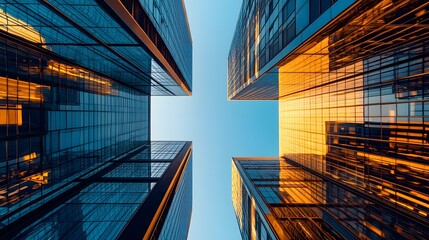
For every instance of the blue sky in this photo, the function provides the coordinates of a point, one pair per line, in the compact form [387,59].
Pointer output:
[219,129]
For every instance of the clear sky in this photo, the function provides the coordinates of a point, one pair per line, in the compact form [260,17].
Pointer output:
[219,129]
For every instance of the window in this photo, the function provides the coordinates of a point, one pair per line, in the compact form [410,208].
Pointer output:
[314,10]
[289,33]
[288,9]
[317,7]
[269,195]
[270,7]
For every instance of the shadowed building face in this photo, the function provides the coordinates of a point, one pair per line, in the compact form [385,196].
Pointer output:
[76,80]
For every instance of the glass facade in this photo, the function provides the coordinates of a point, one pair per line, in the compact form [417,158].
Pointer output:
[304,205]
[101,204]
[266,32]
[76,160]
[101,42]
[249,209]
[173,26]
[353,119]
[59,121]
[356,110]
[99,211]
[178,219]
[165,24]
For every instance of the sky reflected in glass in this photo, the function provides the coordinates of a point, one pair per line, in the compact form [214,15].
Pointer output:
[219,129]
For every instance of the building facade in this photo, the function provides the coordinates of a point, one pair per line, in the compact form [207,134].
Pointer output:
[279,199]
[119,200]
[76,80]
[353,105]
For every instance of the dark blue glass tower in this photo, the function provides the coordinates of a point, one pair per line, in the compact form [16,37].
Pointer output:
[76,159]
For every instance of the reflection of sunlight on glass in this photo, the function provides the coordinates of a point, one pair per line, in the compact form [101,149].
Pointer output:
[19,28]
[16,90]
[24,180]
[11,116]
[93,82]
[22,29]
[40,178]
[340,117]
[304,110]
[257,41]
[29,157]
[237,195]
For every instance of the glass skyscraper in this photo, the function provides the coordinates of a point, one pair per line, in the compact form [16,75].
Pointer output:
[76,160]
[351,78]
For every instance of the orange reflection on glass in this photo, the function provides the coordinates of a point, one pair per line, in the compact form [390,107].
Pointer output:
[237,197]
[11,115]
[22,29]
[257,41]
[40,178]
[19,28]
[16,90]
[29,157]
[23,181]
[92,82]
[304,108]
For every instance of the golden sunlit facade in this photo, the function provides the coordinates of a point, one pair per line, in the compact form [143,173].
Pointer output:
[353,116]
[251,214]
[355,110]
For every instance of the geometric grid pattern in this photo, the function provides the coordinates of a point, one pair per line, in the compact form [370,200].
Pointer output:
[99,42]
[102,203]
[307,205]
[266,31]
[353,106]
[180,209]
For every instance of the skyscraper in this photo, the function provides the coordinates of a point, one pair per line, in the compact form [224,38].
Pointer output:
[76,159]
[351,81]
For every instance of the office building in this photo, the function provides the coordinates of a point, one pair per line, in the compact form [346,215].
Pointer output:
[351,79]
[279,199]
[76,160]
